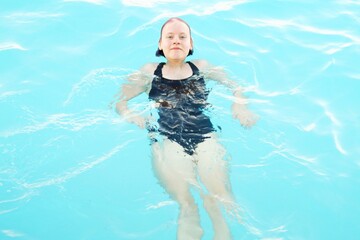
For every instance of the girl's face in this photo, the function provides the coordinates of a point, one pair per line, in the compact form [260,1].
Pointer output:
[175,40]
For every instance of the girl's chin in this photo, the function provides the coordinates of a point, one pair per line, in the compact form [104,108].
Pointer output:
[176,57]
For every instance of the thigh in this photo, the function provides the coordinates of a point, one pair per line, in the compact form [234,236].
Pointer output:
[174,169]
[213,167]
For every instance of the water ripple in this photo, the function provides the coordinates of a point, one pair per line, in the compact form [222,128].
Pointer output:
[8,211]
[148,3]
[72,122]
[96,2]
[282,150]
[202,8]
[348,2]
[30,17]
[76,171]
[94,78]
[336,125]
[12,233]
[199,9]
[24,196]
[5,95]
[160,205]
[11,46]
[291,24]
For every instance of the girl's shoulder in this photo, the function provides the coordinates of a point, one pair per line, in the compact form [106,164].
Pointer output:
[149,68]
[201,64]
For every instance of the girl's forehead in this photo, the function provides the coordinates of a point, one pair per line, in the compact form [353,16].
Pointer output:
[176,26]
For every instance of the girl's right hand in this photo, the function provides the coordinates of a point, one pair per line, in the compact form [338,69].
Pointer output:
[138,120]
[246,118]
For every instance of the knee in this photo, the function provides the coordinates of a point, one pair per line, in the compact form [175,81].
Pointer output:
[188,210]
[209,201]
[187,203]
[212,200]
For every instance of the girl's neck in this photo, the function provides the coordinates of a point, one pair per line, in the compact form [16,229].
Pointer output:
[177,64]
[176,70]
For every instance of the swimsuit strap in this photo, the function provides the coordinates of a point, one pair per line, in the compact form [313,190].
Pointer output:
[193,68]
[158,71]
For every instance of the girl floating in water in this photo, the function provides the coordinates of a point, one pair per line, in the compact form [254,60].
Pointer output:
[185,147]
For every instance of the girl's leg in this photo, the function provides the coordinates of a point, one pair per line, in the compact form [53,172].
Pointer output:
[176,173]
[213,173]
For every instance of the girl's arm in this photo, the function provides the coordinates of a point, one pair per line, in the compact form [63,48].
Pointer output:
[137,83]
[239,107]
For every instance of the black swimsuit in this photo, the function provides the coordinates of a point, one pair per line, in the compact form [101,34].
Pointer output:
[181,105]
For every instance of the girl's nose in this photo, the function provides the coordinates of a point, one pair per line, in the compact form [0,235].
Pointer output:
[176,40]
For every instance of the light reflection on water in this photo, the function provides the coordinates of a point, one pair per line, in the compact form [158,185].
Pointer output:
[69,162]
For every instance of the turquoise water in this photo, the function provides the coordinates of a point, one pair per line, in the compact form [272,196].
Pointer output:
[70,168]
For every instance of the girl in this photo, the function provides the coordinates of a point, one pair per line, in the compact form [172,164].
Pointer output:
[185,147]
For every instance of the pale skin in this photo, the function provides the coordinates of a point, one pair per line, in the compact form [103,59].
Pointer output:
[177,171]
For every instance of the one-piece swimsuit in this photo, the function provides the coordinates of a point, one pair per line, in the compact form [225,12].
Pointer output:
[181,106]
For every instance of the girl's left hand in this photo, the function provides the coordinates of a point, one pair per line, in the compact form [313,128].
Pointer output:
[245,116]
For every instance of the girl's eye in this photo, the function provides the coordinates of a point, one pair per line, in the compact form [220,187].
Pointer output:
[169,37]
[182,37]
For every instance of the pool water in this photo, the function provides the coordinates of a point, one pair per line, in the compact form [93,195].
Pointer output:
[71,168]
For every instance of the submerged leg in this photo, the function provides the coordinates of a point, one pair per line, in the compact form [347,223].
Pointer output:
[175,171]
[213,173]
